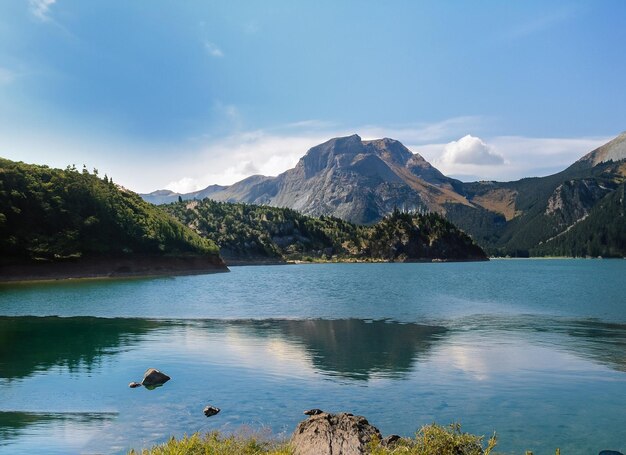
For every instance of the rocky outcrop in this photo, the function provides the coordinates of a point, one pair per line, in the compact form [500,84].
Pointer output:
[333,434]
[573,199]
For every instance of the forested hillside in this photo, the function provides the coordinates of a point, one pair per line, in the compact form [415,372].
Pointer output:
[544,209]
[252,232]
[601,233]
[53,215]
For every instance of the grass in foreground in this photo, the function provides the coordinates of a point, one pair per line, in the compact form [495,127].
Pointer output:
[430,440]
[215,444]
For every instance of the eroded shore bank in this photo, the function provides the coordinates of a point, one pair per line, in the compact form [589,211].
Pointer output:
[112,267]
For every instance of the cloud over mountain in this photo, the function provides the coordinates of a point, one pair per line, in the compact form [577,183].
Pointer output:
[470,150]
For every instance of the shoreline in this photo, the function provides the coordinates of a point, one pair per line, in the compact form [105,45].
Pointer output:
[550,258]
[149,267]
[352,261]
[112,268]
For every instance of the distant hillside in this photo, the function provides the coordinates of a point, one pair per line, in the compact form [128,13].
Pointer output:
[602,232]
[534,210]
[86,225]
[363,181]
[246,232]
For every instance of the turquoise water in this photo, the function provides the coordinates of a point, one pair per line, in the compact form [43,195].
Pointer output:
[533,349]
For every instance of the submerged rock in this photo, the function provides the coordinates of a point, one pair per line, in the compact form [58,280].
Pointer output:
[610,452]
[210,411]
[154,378]
[132,385]
[333,434]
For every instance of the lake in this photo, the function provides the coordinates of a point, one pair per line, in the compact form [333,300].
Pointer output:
[532,349]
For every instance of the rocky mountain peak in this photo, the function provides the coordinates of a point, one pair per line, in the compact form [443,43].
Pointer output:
[339,150]
[389,150]
[614,150]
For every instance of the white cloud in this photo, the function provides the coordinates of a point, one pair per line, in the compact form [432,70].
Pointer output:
[470,150]
[184,185]
[228,175]
[523,157]
[41,8]
[233,158]
[212,49]
[209,159]
[272,151]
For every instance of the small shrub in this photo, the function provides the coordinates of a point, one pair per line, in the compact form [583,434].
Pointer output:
[438,440]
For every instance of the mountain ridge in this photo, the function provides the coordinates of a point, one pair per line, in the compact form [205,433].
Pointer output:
[364,180]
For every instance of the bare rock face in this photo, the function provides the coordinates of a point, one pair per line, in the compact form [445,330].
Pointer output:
[154,378]
[333,434]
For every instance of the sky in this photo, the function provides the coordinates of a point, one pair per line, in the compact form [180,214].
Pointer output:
[180,95]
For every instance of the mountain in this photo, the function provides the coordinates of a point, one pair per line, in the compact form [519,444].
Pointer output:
[363,181]
[525,217]
[614,150]
[359,181]
[166,196]
[66,223]
[254,233]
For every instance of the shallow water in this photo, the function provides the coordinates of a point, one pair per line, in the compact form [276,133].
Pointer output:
[533,349]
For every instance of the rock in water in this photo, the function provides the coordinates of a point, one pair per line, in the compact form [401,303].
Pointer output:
[211,411]
[154,378]
[313,412]
[610,452]
[132,385]
[333,434]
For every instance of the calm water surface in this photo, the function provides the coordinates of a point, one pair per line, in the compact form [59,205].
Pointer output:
[533,349]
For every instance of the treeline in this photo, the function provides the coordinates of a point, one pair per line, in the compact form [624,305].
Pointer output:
[53,215]
[252,232]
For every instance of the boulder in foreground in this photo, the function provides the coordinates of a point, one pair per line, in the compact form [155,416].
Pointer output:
[333,434]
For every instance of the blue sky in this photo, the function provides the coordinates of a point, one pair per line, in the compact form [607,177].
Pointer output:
[184,94]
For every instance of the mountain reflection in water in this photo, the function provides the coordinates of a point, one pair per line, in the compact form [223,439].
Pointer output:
[350,348]
[600,342]
[63,377]
[13,424]
[353,348]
